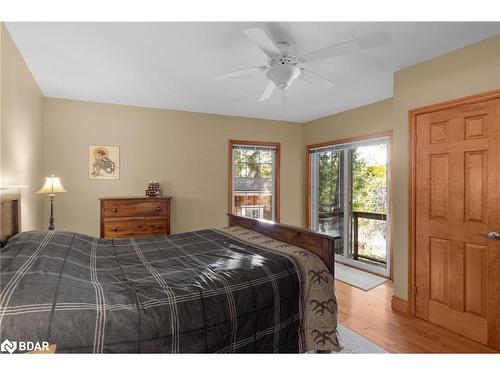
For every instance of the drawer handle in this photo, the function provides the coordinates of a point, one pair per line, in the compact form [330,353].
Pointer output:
[114,229]
[158,208]
[115,210]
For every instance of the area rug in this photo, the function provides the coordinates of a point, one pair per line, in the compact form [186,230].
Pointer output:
[353,343]
[357,278]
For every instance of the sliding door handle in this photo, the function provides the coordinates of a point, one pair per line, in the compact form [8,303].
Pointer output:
[491,235]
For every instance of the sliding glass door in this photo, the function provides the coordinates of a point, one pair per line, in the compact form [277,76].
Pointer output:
[328,196]
[350,197]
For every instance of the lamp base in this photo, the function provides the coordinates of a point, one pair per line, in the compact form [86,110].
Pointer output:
[51,219]
[51,224]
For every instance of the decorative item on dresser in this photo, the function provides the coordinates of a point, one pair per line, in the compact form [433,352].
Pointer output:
[123,217]
[153,189]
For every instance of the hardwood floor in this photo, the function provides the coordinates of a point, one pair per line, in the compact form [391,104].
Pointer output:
[369,314]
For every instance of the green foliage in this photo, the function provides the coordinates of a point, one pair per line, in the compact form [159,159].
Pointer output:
[369,187]
[253,163]
[329,181]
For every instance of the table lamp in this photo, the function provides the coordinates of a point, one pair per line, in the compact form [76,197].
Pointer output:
[52,185]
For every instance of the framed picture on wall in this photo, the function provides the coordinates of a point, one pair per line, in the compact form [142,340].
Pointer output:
[104,162]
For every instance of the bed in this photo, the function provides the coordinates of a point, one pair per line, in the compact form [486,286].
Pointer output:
[252,287]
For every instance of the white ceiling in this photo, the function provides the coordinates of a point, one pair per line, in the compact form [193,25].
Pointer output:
[172,65]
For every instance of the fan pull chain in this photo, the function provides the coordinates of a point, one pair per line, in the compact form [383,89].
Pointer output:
[283,103]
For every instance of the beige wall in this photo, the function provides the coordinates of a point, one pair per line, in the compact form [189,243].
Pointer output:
[186,152]
[467,71]
[372,118]
[21,131]
[470,70]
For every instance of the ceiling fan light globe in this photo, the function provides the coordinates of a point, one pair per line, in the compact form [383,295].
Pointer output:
[283,75]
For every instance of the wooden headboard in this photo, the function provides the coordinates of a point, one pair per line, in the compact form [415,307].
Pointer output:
[10,210]
[318,243]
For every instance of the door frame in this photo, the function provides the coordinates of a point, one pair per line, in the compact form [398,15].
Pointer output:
[366,137]
[412,194]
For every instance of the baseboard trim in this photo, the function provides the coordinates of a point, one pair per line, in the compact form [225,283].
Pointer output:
[400,305]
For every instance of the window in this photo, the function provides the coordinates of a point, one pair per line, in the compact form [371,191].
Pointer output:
[254,179]
[349,195]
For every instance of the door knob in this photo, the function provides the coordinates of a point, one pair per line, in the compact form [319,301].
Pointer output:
[492,236]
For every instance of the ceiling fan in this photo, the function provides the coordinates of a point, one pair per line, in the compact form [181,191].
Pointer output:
[284,62]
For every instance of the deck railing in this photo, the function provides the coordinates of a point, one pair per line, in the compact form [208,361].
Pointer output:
[356,215]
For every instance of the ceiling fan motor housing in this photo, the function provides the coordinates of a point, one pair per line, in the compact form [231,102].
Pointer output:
[283,75]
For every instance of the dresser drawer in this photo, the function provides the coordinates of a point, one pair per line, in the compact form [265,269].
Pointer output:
[123,217]
[136,227]
[128,208]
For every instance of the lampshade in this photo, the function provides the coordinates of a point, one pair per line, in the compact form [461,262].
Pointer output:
[52,185]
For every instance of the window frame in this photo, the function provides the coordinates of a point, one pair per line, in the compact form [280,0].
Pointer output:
[276,173]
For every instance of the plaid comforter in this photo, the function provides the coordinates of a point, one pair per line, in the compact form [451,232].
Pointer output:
[193,292]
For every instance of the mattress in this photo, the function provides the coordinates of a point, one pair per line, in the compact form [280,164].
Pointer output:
[211,291]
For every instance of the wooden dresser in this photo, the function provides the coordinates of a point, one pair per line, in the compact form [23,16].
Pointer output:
[123,217]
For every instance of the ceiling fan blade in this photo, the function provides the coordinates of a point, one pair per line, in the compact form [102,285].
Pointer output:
[240,73]
[268,91]
[342,48]
[262,40]
[375,40]
[315,79]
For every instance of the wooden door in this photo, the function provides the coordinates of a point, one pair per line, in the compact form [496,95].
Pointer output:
[457,202]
